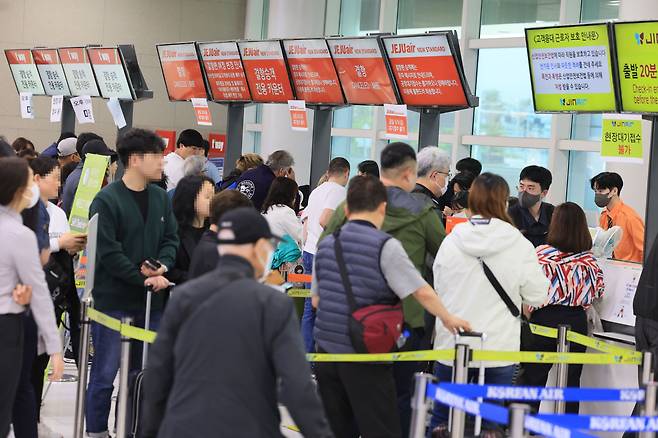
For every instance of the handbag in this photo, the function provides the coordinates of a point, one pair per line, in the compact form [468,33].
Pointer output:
[372,329]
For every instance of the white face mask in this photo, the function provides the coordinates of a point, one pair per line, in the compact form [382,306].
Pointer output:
[267,266]
[33,196]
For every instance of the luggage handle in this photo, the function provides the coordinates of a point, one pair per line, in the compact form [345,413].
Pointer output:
[147,324]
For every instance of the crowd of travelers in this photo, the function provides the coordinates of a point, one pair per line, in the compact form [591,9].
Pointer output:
[216,252]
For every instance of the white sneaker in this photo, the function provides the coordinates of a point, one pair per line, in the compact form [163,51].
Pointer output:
[47,432]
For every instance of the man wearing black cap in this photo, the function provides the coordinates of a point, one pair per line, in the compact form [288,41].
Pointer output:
[97,147]
[224,342]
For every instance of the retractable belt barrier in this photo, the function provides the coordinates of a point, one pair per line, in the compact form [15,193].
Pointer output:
[530,393]
[612,354]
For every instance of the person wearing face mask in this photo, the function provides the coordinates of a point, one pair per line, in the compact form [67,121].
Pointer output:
[607,191]
[25,331]
[229,348]
[418,227]
[433,176]
[532,216]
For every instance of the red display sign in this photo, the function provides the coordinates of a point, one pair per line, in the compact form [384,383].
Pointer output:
[224,72]
[266,71]
[313,72]
[217,144]
[169,138]
[362,71]
[181,71]
[425,71]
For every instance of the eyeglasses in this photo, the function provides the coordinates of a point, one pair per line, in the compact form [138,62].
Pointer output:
[448,173]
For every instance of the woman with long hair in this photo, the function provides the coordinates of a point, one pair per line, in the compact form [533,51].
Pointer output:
[279,209]
[191,207]
[576,280]
[487,240]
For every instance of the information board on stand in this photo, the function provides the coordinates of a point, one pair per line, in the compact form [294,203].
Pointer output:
[637,66]
[362,71]
[266,71]
[181,71]
[571,68]
[24,71]
[110,73]
[426,70]
[51,72]
[224,72]
[313,73]
[78,72]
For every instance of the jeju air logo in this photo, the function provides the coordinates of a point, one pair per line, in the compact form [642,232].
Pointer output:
[646,38]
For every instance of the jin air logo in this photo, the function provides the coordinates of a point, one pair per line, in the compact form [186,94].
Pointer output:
[573,102]
[647,38]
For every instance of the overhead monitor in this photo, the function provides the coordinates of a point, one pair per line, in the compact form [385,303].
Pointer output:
[110,73]
[78,71]
[637,66]
[313,73]
[267,74]
[426,70]
[362,71]
[224,71]
[182,71]
[51,72]
[24,71]
[571,68]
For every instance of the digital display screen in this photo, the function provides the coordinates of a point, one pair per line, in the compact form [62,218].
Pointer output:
[110,72]
[51,72]
[266,71]
[78,72]
[224,72]
[24,71]
[182,71]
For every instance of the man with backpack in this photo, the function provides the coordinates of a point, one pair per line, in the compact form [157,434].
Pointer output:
[361,273]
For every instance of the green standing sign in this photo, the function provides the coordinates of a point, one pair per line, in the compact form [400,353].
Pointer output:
[91,180]
[621,139]
[571,68]
[637,63]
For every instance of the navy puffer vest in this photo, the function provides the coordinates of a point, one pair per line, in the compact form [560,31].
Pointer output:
[362,246]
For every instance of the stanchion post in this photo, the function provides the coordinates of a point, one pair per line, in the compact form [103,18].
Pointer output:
[517,413]
[460,375]
[124,370]
[647,368]
[419,405]
[83,366]
[562,368]
[649,406]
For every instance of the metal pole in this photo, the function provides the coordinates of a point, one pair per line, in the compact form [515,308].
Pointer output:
[67,123]
[562,368]
[517,413]
[460,375]
[320,143]
[649,406]
[651,218]
[234,133]
[124,370]
[647,368]
[147,326]
[81,393]
[419,405]
[428,130]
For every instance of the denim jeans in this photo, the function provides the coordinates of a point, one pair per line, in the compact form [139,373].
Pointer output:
[308,317]
[492,376]
[105,365]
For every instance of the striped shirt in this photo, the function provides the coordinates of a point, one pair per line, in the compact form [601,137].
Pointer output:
[575,279]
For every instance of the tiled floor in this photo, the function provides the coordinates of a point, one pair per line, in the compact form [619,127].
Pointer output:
[59,408]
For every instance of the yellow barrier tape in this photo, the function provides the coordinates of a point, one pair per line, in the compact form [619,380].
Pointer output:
[405,356]
[299,293]
[138,333]
[103,319]
[80,284]
[552,357]
[540,330]
[586,341]
[293,428]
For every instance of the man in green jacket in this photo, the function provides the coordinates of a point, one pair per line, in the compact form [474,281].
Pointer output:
[137,244]
[416,225]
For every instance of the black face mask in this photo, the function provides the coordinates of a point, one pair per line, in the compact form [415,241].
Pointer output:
[602,200]
[526,200]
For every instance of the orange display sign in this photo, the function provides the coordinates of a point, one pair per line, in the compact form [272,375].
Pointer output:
[298,117]
[51,72]
[224,72]
[452,222]
[217,144]
[362,71]
[78,72]
[267,74]
[181,71]
[425,71]
[313,72]
[396,121]
[169,138]
[110,74]
[24,71]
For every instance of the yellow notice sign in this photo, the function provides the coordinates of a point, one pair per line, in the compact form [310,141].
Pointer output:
[621,138]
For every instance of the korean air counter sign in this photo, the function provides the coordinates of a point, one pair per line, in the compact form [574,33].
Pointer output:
[637,60]
[571,69]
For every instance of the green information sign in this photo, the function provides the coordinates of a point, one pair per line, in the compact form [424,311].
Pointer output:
[637,57]
[621,139]
[90,184]
[571,69]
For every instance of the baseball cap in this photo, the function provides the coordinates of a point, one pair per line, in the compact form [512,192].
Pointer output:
[99,147]
[243,225]
[66,147]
